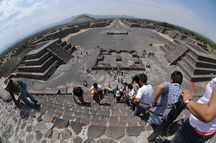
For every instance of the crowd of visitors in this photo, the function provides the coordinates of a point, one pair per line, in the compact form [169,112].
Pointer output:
[166,102]
[163,104]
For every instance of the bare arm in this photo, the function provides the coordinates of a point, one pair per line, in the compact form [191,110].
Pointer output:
[137,100]
[204,112]
[159,90]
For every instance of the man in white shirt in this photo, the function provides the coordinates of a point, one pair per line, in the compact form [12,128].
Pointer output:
[201,125]
[144,95]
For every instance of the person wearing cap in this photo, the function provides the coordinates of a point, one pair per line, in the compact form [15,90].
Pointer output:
[18,91]
[201,125]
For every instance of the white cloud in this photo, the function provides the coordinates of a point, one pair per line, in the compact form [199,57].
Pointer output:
[19,19]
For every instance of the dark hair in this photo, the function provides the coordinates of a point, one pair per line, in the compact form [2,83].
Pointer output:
[95,85]
[130,86]
[177,77]
[143,78]
[77,91]
[135,79]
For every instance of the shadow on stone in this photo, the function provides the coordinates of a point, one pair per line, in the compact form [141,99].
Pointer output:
[105,104]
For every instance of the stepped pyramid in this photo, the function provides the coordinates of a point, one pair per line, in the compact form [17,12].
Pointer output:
[196,64]
[42,62]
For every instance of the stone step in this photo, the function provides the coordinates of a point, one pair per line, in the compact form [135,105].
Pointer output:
[203,57]
[207,59]
[190,57]
[95,119]
[198,63]
[198,70]
[60,53]
[37,61]
[68,102]
[36,53]
[40,76]
[175,54]
[204,71]
[198,74]
[185,68]
[201,78]
[38,68]
[198,48]
[202,64]
[188,65]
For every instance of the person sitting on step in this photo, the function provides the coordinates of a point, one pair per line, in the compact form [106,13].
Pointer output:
[126,97]
[78,92]
[18,91]
[96,92]
[132,96]
[143,96]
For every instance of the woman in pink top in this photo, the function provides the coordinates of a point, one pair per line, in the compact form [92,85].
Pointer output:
[201,125]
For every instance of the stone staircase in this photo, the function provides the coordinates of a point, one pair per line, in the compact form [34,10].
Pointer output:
[110,119]
[107,114]
[42,62]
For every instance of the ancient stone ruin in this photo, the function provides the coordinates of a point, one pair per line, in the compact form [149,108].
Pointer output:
[118,60]
[42,62]
[197,65]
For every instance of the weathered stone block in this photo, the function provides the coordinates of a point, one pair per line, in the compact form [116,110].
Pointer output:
[60,123]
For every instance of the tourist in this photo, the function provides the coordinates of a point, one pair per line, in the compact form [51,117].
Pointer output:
[126,97]
[18,91]
[132,96]
[78,92]
[97,92]
[201,125]
[118,95]
[135,79]
[167,93]
[129,95]
[143,96]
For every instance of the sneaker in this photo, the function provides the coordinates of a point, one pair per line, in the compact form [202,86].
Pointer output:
[153,136]
[158,139]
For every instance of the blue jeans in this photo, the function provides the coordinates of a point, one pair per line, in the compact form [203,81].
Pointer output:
[25,96]
[187,134]
[139,109]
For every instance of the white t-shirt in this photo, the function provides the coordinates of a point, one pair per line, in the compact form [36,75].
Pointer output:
[145,93]
[99,87]
[196,123]
[132,93]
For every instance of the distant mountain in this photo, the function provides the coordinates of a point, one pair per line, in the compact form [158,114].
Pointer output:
[110,16]
[81,18]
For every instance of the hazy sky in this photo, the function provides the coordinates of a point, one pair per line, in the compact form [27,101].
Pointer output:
[19,18]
